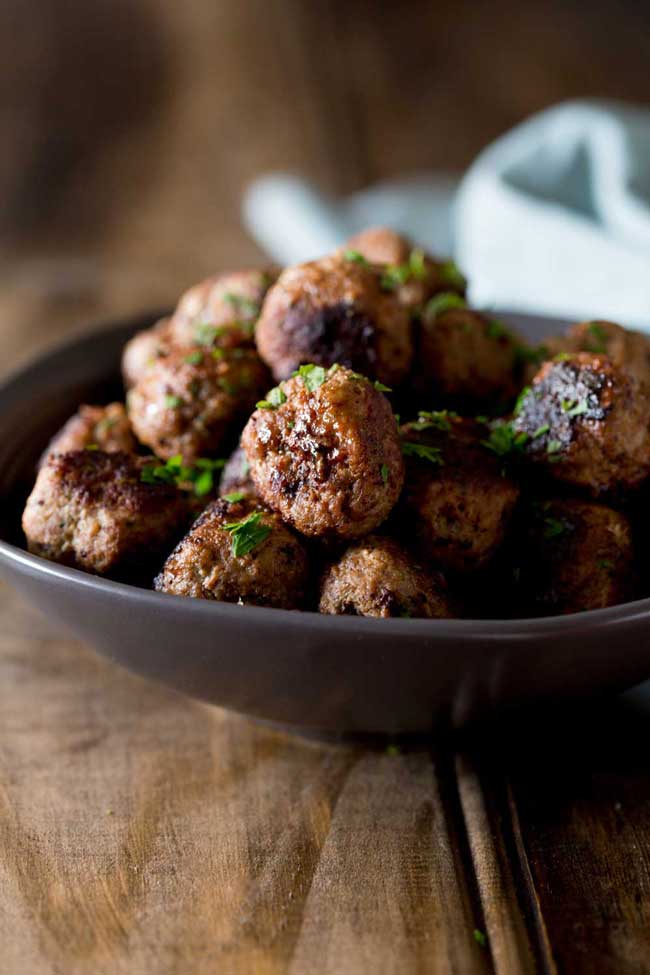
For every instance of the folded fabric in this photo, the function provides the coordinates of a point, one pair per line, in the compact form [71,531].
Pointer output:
[554,217]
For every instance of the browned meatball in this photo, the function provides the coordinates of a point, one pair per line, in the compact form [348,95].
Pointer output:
[457,502]
[222,310]
[100,427]
[238,552]
[413,274]
[624,347]
[188,402]
[325,453]
[236,474]
[573,555]
[335,310]
[464,357]
[585,421]
[142,351]
[376,577]
[92,510]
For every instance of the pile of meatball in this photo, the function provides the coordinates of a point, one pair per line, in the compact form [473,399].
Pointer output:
[393,452]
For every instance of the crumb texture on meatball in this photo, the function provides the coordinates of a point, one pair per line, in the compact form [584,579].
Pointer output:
[191,400]
[585,421]
[142,351]
[91,510]
[238,552]
[572,556]
[457,502]
[100,427]
[327,458]
[376,577]
[335,310]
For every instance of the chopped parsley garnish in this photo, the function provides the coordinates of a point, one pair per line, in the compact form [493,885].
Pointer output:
[443,302]
[496,329]
[194,358]
[205,334]
[422,451]
[395,275]
[173,402]
[535,356]
[398,418]
[105,424]
[600,337]
[573,408]
[480,937]
[200,475]
[217,353]
[451,275]
[521,398]
[381,388]
[384,473]
[540,431]
[247,534]
[243,304]
[91,446]
[393,750]
[356,257]
[605,564]
[436,419]
[553,447]
[553,527]
[504,440]
[311,375]
[234,496]
[561,357]
[274,398]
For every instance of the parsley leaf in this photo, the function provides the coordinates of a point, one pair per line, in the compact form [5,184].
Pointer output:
[381,388]
[194,358]
[521,399]
[479,937]
[247,534]
[234,496]
[312,376]
[356,257]
[445,301]
[496,329]
[553,527]
[274,398]
[451,275]
[422,451]
[384,473]
[174,471]
[436,419]
[599,336]
[243,304]
[173,402]
[504,440]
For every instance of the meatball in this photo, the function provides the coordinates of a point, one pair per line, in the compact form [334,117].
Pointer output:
[325,453]
[376,577]
[624,347]
[585,421]
[573,555]
[142,351]
[236,474]
[464,357]
[92,510]
[98,427]
[457,502]
[335,310]
[188,402]
[238,552]
[414,275]
[222,310]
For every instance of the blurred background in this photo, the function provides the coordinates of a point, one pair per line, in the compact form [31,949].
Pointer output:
[130,128]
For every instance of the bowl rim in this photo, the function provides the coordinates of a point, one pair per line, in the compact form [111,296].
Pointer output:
[467,628]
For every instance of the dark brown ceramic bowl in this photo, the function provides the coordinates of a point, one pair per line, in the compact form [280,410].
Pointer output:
[315,673]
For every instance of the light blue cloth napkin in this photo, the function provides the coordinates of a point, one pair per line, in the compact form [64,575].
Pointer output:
[554,217]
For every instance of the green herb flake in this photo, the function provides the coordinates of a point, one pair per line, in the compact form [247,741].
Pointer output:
[194,358]
[523,395]
[381,388]
[247,534]
[445,301]
[274,398]
[504,440]
[496,329]
[205,334]
[417,264]
[356,257]
[384,473]
[436,420]
[553,527]
[243,304]
[534,356]
[480,937]
[312,376]
[540,431]
[234,496]
[433,455]
[203,484]
[573,408]
[553,447]
[173,402]
[92,446]
[452,276]
[600,337]
[393,750]
[605,564]
[200,475]
[217,353]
